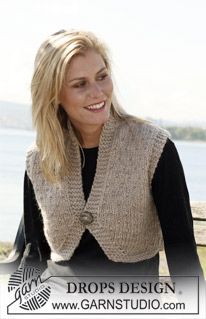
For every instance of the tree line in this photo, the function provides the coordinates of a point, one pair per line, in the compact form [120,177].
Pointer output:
[187,133]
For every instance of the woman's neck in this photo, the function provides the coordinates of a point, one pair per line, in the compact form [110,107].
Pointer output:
[90,137]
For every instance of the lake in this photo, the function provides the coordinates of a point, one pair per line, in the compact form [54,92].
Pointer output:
[13,146]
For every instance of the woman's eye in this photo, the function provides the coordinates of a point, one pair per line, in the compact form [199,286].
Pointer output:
[83,83]
[80,84]
[102,77]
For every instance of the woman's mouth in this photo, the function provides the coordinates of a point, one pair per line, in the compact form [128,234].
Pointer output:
[96,107]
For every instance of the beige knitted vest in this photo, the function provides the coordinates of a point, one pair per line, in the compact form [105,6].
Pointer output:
[125,221]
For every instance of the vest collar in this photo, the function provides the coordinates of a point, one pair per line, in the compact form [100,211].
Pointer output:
[74,179]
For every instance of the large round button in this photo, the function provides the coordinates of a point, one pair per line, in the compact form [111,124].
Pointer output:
[86,218]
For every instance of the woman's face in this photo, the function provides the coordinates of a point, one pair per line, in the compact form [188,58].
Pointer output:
[87,93]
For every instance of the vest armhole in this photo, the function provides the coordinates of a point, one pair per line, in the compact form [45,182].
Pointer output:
[159,142]
[31,161]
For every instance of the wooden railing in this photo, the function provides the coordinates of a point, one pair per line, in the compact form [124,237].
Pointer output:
[199,217]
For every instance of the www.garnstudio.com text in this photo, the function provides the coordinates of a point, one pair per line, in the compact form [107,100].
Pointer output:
[118,304]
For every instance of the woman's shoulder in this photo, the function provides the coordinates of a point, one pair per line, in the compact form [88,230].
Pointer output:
[32,150]
[32,158]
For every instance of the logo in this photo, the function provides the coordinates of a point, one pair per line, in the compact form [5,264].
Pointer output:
[28,289]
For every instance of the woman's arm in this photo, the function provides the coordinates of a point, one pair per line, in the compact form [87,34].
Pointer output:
[37,248]
[173,205]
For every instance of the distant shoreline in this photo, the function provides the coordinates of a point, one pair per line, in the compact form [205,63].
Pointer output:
[186,134]
[178,133]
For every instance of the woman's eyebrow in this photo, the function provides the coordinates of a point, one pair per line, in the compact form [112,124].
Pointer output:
[83,78]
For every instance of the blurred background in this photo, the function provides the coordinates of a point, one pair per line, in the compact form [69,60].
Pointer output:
[158,51]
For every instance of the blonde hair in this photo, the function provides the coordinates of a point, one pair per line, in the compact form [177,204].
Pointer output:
[49,118]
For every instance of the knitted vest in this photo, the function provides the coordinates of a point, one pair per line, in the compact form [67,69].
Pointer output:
[125,222]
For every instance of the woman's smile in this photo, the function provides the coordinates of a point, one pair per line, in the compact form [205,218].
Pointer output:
[96,107]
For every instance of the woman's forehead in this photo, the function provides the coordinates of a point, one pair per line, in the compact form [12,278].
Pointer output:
[86,63]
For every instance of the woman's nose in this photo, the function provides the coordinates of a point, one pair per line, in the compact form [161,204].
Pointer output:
[95,90]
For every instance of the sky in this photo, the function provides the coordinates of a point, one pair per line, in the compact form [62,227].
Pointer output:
[157,47]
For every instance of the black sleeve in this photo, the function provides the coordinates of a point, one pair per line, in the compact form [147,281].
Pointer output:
[172,201]
[37,248]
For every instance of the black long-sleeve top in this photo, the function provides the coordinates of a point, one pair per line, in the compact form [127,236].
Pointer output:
[172,201]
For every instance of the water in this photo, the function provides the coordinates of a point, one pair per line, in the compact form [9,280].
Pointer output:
[13,146]
[193,158]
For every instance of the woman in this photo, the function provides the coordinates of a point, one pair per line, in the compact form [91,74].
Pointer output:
[104,190]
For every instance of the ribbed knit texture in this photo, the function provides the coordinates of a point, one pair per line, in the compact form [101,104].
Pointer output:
[125,219]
